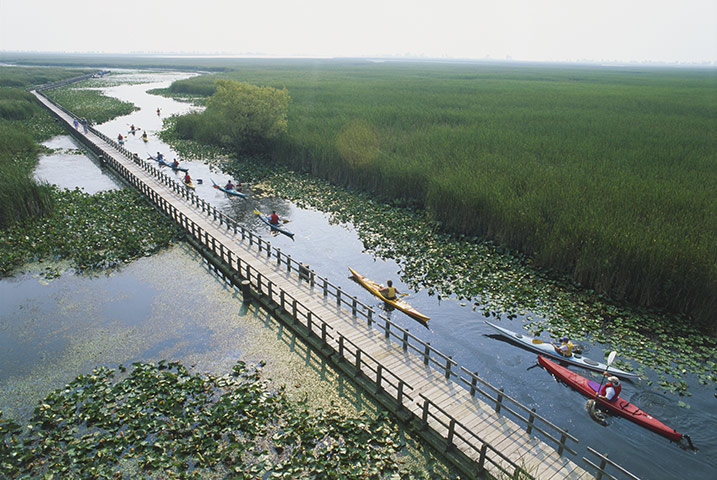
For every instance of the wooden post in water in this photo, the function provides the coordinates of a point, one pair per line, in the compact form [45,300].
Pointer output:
[245,287]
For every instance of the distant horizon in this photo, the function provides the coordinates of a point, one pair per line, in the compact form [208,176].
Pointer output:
[562,31]
[407,57]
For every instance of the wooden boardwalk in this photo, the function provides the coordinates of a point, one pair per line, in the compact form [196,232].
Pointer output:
[468,416]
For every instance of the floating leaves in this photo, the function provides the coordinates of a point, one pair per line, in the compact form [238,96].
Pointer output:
[162,416]
[94,231]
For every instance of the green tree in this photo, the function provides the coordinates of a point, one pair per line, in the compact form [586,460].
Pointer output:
[245,116]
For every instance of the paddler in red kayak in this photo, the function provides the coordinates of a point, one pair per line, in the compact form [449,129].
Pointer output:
[611,390]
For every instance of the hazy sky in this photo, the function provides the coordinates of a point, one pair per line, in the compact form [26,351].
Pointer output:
[544,30]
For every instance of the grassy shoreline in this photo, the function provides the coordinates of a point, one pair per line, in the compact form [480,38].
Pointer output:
[603,175]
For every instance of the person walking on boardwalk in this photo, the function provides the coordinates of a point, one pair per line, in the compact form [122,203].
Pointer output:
[390,292]
[83,121]
[75,123]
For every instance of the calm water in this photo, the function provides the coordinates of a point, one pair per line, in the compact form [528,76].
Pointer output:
[191,324]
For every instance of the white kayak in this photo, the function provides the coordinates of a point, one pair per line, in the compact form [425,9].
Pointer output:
[547,349]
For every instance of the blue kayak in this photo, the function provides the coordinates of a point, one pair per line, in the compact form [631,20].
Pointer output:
[229,192]
[265,219]
[162,163]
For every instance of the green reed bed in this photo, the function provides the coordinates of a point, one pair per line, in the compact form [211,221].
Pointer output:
[606,174]
[22,124]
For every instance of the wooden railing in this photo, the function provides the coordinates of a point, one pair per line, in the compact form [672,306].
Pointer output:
[604,462]
[383,378]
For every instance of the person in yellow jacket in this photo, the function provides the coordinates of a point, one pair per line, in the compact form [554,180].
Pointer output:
[390,292]
[565,348]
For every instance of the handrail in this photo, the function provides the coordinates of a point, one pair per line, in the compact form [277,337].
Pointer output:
[604,461]
[453,432]
[391,330]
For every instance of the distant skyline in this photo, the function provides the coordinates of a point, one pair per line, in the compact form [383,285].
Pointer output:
[654,31]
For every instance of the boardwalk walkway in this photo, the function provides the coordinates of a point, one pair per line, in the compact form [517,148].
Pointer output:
[455,408]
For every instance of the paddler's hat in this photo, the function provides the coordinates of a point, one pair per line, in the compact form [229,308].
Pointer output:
[564,339]
[614,380]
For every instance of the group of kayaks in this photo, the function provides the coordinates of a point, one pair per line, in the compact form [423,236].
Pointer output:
[590,388]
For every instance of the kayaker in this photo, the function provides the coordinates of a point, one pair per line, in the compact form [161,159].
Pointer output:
[565,348]
[274,218]
[158,112]
[611,390]
[144,136]
[187,178]
[175,163]
[390,292]
[160,157]
[229,185]
[132,129]
[120,139]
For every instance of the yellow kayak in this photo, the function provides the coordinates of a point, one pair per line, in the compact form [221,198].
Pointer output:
[399,304]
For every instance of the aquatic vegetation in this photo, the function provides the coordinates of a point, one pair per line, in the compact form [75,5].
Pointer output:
[93,231]
[23,123]
[90,104]
[602,174]
[162,417]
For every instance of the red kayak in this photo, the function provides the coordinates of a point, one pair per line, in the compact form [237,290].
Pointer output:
[589,388]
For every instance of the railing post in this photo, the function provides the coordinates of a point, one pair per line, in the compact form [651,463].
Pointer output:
[405,340]
[531,420]
[358,361]
[338,297]
[309,323]
[424,416]
[481,459]
[379,376]
[294,310]
[449,361]
[563,438]
[278,256]
[427,353]
[369,316]
[474,381]
[341,346]
[326,292]
[353,307]
[603,464]
[387,333]
[451,432]
[323,333]
[499,400]
[399,394]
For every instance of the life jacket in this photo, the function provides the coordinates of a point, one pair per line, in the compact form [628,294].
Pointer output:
[391,293]
[618,389]
[569,350]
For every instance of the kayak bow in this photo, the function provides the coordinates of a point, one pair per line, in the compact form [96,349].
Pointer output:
[399,304]
[545,348]
[621,407]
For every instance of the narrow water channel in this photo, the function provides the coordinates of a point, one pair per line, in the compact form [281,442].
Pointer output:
[194,325]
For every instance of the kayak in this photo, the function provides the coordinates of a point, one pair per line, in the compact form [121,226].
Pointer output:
[278,228]
[229,192]
[162,163]
[621,407]
[398,303]
[145,139]
[546,348]
[188,184]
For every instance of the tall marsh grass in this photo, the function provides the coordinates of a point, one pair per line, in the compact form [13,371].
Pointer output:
[606,174]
